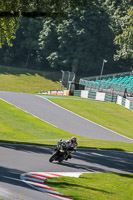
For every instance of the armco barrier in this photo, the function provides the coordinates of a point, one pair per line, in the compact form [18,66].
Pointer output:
[100,96]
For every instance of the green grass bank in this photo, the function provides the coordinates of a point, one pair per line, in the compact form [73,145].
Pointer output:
[95,186]
[109,115]
[28,81]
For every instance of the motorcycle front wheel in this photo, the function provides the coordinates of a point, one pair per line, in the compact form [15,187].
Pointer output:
[53,157]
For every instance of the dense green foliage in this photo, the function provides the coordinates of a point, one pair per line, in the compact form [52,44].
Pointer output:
[125,39]
[74,36]
[12,11]
[25,46]
[80,45]
[121,22]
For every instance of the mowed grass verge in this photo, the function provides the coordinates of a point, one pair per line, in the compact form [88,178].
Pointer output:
[109,115]
[99,186]
[19,126]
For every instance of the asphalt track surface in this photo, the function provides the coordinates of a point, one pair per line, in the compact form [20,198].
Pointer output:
[18,159]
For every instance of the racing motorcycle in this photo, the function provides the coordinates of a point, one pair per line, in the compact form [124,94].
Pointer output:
[60,152]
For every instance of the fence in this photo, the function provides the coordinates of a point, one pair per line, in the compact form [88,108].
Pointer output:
[110,85]
[95,78]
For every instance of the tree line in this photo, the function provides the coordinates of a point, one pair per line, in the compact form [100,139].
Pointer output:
[76,39]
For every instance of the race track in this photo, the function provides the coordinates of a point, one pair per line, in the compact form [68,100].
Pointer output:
[19,159]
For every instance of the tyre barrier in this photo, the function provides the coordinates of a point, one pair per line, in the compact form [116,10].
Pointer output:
[101,96]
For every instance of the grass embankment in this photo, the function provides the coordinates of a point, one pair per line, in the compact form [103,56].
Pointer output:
[109,115]
[29,81]
[99,186]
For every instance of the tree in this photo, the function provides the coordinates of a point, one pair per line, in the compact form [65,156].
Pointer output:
[25,46]
[11,12]
[125,39]
[121,23]
[48,41]
[8,28]
[82,41]
[76,35]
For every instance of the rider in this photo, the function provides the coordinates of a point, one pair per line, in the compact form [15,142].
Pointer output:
[71,145]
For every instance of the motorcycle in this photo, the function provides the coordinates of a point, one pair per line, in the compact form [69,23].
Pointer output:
[60,152]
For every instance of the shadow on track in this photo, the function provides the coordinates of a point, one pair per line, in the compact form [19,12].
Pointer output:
[41,149]
[90,160]
[11,176]
[119,160]
[101,161]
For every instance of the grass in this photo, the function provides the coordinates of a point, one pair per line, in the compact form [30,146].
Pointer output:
[99,186]
[28,81]
[109,115]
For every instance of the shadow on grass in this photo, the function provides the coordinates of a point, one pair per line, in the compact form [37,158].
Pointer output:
[52,75]
[69,185]
[126,175]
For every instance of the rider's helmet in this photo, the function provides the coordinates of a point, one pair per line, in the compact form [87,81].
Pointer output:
[74,139]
